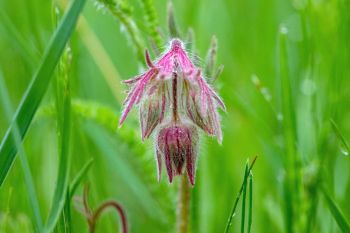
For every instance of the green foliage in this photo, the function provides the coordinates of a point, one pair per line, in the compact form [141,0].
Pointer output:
[248,177]
[286,75]
[337,214]
[63,108]
[38,86]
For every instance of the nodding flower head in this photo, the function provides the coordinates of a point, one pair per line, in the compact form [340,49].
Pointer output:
[175,100]
[177,147]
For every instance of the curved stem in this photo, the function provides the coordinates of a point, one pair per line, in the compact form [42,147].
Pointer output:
[183,206]
[93,216]
[118,208]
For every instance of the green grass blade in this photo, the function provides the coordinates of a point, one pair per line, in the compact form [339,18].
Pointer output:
[337,214]
[63,119]
[291,187]
[36,89]
[233,211]
[78,178]
[5,100]
[65,221]
[11,32]
[340,137]
[250,214]
[244,196]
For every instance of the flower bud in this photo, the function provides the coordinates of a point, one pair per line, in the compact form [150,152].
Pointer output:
[177,147]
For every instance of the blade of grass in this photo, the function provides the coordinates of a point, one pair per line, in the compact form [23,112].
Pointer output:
[5,100]
[340,136]
[233,211]
[36,89]
[291,187]
[250,214]
[101,58]
[244,196]
[336,212]
[16,38]
[65,222]
[63,102]
[80,175]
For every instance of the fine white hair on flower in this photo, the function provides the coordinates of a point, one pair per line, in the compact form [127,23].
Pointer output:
[176,102]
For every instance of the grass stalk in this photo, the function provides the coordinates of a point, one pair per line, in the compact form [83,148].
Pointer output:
[244,197]
[337,214]
[28,178]
[244,183]
[63,108]
[250,214]
[291,185]
[38,86]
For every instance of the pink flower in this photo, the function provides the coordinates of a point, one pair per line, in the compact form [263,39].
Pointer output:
[177,146]
[174,98]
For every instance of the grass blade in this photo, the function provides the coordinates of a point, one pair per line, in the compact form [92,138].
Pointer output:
[233,211]
[341,137]
[250,214]
[5,100]
[101,58]
[65,221]
[63,121]
[244,196]
[291,185]
[36,89]
[337,214]
[78,178]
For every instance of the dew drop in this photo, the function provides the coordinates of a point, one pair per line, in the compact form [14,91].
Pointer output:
[344,151]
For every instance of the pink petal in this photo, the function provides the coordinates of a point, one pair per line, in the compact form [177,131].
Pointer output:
[136,94]
[132,80]
[218,99]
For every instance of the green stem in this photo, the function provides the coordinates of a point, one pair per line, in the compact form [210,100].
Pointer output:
[183,206]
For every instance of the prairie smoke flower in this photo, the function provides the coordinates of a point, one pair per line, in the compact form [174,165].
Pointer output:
[176,101]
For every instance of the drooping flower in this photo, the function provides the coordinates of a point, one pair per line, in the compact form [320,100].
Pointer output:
[174,100]
[177,145]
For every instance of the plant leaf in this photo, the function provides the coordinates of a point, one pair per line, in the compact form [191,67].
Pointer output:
[36,89]
[76,181]
[28,178]
[340,136]
[337,214]
[63,124]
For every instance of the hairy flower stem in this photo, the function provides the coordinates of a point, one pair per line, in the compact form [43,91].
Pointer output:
[183,206]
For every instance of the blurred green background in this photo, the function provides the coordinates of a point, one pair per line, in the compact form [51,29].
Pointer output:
[287,74]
